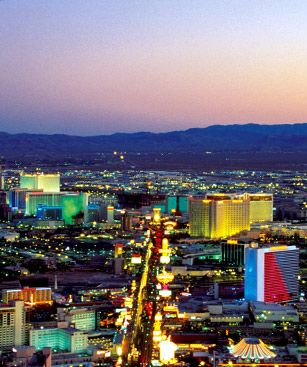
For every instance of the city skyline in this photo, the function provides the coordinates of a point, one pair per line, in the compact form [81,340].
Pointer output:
[101,67]
[153,183]
[144,268]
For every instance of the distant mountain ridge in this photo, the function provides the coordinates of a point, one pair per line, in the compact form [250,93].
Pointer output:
[215,138]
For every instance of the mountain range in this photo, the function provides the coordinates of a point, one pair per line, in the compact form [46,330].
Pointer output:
[250,146]
[216,138]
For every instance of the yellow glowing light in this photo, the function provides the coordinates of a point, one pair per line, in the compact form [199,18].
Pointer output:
[165,259]
[156,337]
[157,334]
[158,316]
[252,348]
[128,302]
[165,293]
[167,351]
[170,224]
[156,215]
[136,260]
[278,248]
[165,277]
[232,242]
[133,285]
[164,244]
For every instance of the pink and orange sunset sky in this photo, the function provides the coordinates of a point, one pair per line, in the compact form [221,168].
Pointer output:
[92,67]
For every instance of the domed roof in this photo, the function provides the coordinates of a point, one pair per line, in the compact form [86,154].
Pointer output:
[252,348]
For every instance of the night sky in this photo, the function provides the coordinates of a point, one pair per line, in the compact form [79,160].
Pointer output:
[99,66]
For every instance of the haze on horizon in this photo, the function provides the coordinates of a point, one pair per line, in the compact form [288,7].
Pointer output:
[99,66]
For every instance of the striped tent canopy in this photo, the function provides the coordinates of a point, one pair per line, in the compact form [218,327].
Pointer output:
[252,348]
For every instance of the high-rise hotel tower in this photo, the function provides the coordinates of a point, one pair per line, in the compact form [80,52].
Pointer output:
[271,273]
[218,215]
[260,207]
[223,215]
[40,181]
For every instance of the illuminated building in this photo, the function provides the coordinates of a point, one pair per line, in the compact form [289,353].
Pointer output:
[199,218]
[252,349]
[222,215]
[82,319]
[218,215]
[177,204]
[260,207]
[49,212]
[118,258]
[233,252]
[40,181]
[136,259]
[58,339]
[94,213]
[110,214]
[156,215]
[165,252]
[167,351]
[273,312]
[271,273]
[73,204]
[28,295]
[157,333]
[165,277]
[118,251]
[12,324]
[36,199]
[17,198]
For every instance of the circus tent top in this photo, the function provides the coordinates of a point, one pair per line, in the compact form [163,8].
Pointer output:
[252,348]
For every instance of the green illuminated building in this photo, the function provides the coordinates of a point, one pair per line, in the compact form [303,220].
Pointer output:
[64,340]
[82,318]
[40,181]
[177,203]
[73,204]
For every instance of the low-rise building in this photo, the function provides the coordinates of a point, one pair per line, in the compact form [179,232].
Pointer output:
[270,312]
[28,295]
